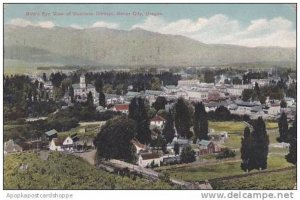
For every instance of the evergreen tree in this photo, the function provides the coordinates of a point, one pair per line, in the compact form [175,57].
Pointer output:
[160,103]
[182,117]
[169,131]
[256,89]
[200,122]
[260,145]
[283,128]
[71,93]
[291,157]
[187,154]
[176,148]
[102,101]
[90,100]
[99,85]
[137,112]
[44,77]
[246,149]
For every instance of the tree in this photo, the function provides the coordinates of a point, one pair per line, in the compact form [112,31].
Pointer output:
[209,76]
[260,145]
[114,140]
[155,84]
[90,99]
[182,117]
[283,128]
[176,148]
[283,104]
[256,89]
[44,77]
[169,131]
[71,93]
[255,147]
[187,154]
[160,103]
[247,94]
[200,122]
[291,157]
[102,101]
[246,149]
[99,85]
[138,112]
[160,143]
[222,113]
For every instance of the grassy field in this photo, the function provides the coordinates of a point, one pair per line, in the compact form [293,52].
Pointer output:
[235,127]
[90,130]
[63,171]
[210,171]
[268,181]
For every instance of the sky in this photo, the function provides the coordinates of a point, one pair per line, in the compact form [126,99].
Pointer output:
[238,24]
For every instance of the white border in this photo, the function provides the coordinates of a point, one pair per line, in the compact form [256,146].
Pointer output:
[128,194]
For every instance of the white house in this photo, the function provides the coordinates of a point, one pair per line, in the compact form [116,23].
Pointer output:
[56,144]
[157,121]
[68,144]
[82,89]
[138,146]
[145,159]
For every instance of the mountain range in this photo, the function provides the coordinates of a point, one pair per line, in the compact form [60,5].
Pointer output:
[137,47]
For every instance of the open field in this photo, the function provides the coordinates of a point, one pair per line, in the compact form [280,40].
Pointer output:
[211,171]
[267,181]
[62,171]
[90,130]
[236,127]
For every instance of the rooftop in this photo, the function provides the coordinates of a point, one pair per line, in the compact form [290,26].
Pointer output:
[148,156]
[51,132]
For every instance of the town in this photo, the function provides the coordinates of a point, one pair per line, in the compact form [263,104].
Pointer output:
[158,123]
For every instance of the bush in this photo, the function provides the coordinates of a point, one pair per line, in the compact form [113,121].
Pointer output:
[226,153]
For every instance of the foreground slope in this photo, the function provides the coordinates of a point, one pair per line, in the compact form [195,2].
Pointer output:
[61,171]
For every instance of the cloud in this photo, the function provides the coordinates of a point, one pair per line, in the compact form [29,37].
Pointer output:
[23,23]
[220,29]
[76,26]
[105,25]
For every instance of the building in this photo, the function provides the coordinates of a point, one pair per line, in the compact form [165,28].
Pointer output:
[56,144]
[51,134]
[148,159]
[157,121]
[68,144]
[208,147]
[11,147]
[123,108]
[82,90]
[138,146]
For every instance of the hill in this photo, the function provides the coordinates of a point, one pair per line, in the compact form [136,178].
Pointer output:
[61,171]
[109,47]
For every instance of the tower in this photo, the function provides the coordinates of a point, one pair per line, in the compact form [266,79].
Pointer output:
[82,81]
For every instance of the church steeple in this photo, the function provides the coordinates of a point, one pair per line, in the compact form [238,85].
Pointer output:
[82,81]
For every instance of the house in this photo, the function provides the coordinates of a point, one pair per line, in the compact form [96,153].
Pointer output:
[138,146]
[82,90]
[11,147]
[123,108]
[68,144]
[157,121]
[83,144]
[51,134]
[218,136]
[180,141]
[56,144]
[208,147]
[170,159]
[148,159]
